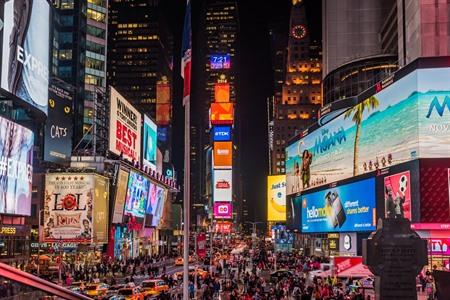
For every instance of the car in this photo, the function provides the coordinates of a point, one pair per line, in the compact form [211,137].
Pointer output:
[192,270]
[280,274]
[180,261]
[129,293]
[96,289]
[154,287]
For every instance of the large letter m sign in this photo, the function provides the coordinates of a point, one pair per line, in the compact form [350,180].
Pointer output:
[440,108]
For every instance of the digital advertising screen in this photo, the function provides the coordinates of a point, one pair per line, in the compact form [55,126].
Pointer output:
[276,198]
[68,207]
[405,121]
[397,195]
[222,92]
[161,194]
[222,185]
[25,51]
[223,210]
[222,113]
[121,194]
[220,61]
[223,155]
[137,194]
[347,208]
[293,212]
[125,128]
[149,144]
[16,170]
[59,125]
[221,133]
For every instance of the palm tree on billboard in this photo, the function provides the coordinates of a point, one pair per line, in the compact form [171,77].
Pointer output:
[357,114]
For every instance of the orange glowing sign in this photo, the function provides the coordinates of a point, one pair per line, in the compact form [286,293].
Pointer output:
[222,92]
[223,154]
[222,113]
[163,113]
[162,93]
[223,227]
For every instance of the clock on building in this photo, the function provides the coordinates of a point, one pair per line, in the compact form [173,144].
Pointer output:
[299,31]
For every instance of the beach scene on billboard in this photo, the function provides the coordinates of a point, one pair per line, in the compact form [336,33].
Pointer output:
[346,208]
[407,120]
[397,195]
[16,154]
[137,193]
[68,205]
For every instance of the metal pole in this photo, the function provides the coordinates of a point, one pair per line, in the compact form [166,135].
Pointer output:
[195,253]
[186,204]
[211,251]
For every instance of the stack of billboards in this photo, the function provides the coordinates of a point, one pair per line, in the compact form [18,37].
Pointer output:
[386,156]
[222,118]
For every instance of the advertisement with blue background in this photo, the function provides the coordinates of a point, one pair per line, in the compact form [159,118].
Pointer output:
[149,143]
[221,133]
[350,207]
[407,120]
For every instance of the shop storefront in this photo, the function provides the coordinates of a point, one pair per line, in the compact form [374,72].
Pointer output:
[438,238]
[14,243]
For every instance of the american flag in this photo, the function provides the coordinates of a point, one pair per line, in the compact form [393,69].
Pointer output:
[186,52]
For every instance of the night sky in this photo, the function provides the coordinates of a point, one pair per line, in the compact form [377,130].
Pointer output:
[255,84]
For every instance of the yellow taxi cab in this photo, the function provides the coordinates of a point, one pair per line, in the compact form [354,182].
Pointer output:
[96,289]
[130,293]
[154,287]
[192,270]
[179,261]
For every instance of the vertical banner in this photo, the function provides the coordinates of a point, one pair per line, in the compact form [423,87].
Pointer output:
[276,198]
[68,205]
[101,207]
[201,245]
[163,104]
[397,195]
[149,143]
[59,125]
[119,199]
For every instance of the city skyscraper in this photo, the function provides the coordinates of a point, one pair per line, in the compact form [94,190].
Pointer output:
[295,107]
[216,34]
[79,58]
[139,51]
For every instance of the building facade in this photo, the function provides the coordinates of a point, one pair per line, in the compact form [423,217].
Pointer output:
[295,107]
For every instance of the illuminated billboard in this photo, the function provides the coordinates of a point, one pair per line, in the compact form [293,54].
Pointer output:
[220,61]
[223,210]
[161,195]
[346,208]
[136,199]
[222,186]
[222,92]
[75,208]
[16,169]
[121,194]
[407,120]
[58,127]
[221,133]
[222,113]
[397,195]
[125,128]
[276,198]
[25,51]
[149,143]
[223,155]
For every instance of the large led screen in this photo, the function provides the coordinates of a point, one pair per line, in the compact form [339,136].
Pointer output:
[220,61]
[223,155]
[223,210]
[149,143]
[222,113]
[125,128]
[397,195]
[221,133]
[161,194]
[222,188]
[68,207]
[276,198]
[346,208]
[222,92]
[407,120]
[137,194]
[16,168]
[25,51]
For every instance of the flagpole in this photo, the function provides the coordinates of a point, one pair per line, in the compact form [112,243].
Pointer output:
[186,200]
